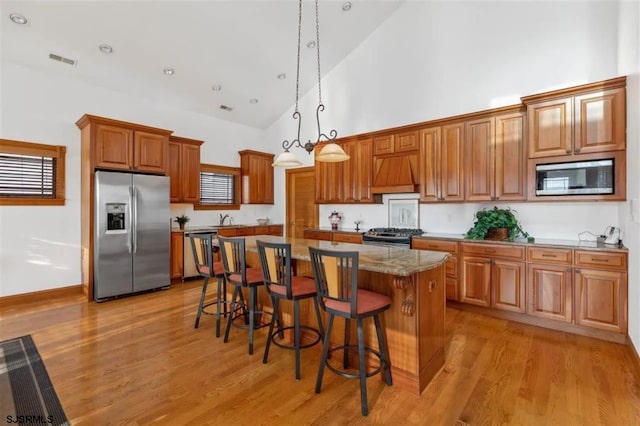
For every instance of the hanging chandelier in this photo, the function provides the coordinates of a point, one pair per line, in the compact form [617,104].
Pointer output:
[331,152]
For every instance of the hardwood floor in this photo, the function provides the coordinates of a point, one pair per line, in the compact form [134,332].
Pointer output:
[139,361]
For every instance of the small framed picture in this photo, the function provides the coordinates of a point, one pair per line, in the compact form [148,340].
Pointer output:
[404,213]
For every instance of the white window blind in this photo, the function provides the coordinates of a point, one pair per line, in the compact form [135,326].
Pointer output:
[216,188]
[27,176]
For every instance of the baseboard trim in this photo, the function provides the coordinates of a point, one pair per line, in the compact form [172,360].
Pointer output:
[634,354]
[38,296]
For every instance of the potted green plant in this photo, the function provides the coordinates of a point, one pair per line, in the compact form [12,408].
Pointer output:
[181,220]
[496,224]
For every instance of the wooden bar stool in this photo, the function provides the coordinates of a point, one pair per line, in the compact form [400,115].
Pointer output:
[336,276]
[237,274]
[283,285]
[202,247]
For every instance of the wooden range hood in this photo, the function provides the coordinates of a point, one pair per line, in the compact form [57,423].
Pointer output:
[395,173]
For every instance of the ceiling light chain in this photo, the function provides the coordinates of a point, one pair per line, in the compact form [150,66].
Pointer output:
[331,152]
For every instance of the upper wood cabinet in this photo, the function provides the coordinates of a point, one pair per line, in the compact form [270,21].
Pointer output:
[394,143]
[347,181]
[257,177]
[495,158]
[184,169]
[118,145]
[442,163]
[579,120]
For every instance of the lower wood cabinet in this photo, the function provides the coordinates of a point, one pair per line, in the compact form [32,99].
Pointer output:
[508,285]
[601,299]
[245,231]
[550,291]
[336,237]
[177,255]
[475,287]
[451,267]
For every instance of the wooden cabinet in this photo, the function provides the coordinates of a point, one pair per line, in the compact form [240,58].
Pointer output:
[118,145]
[601,290]
[394,143]
[184,169]
[276,230]
[347,181]
[257,177]
[451,266]
[244,231]
[601,299]
[442,163]
[495,158]
[579,120]
[493,275]
[335,236]
[177,255]
[550,291]
[396,162]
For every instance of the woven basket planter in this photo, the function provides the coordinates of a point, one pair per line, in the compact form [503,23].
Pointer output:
[497,234]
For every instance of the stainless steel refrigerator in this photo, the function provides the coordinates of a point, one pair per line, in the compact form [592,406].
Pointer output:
[132,234]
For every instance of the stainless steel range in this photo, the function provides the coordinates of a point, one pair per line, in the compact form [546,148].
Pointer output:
[398,237]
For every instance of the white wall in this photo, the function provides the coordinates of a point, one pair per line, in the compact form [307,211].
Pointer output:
[629,64]
[40,246]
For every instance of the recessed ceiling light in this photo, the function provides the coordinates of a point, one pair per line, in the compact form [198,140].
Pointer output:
[105,48]
[253,101]
[18,19]
[169,71]
[216,88]
[282,76]
[346,6]
[311,44]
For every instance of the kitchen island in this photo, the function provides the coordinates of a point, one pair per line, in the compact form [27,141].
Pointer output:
[415,282]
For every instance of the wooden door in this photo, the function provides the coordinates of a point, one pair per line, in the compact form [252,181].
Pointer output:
[508,285]
[600,121]
[550,128]
[174,171]
[452,162]
[302,212]
[480,159]
[150,152]
[510,161]
[550,292]
[190,173]
[113,147]
[177,254]
[476,280]
[601,299]
[430,164]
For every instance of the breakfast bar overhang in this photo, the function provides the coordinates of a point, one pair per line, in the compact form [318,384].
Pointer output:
[415,281]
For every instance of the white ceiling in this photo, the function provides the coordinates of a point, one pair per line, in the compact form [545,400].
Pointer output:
[241,45]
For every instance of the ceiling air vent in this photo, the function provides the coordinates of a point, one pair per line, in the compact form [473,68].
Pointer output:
[62,59]
[226,108]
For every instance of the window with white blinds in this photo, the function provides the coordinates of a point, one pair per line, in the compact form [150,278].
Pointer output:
[219,187]
[216,188]
[31,174]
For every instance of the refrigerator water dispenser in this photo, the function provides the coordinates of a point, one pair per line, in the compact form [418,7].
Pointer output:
[116,218]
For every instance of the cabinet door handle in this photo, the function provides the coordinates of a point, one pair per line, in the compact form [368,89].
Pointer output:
[440,198]
[600,259]
[489,261]
[577,151]
[496,198]
[432,286]
[568,151]
[569,270]
[548,255]
[578,271]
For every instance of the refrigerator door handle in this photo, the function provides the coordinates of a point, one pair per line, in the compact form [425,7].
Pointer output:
[130,239]
[135,219]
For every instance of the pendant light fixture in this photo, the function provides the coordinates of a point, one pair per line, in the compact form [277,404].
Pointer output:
[331,152]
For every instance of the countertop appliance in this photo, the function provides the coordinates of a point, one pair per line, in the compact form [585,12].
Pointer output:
[132,235]
[399,237]
[594,177]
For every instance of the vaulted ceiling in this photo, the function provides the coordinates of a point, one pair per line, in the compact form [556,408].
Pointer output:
[242,46]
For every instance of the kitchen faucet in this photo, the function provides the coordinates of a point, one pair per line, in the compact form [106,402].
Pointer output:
[222,218]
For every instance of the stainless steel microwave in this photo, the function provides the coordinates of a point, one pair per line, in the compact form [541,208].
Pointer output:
[594,177]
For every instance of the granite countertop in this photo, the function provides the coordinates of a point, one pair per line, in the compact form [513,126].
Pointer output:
[214,228]
[539,242]
[386,260]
